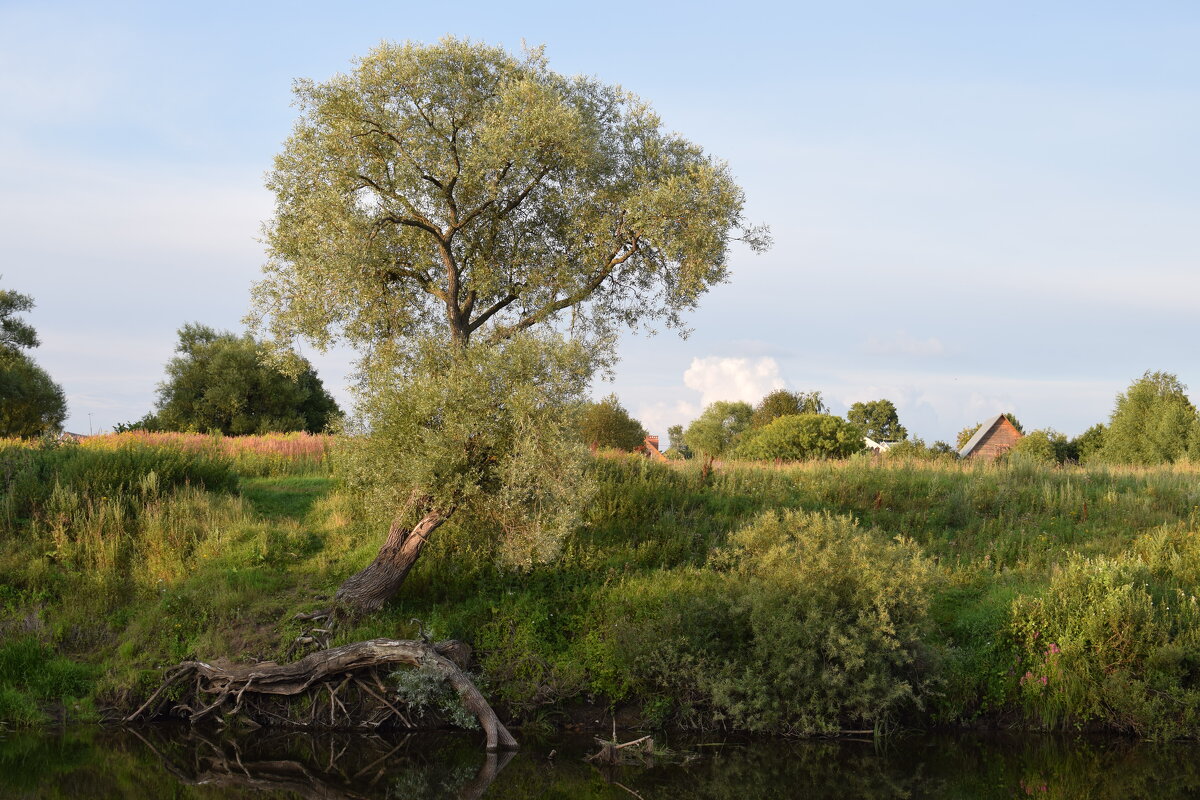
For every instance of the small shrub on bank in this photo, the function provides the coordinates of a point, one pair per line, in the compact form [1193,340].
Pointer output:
[805,624]
[1115,641]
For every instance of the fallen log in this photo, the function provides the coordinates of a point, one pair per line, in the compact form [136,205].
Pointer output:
[237,683]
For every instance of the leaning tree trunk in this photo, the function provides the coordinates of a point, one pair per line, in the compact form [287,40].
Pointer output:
[379,582]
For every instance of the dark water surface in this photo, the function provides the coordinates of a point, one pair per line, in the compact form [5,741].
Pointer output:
[164,762]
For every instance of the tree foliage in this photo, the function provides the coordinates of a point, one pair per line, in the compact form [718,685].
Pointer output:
[797,437]
[1153,422]
[608,424]
[1089,443]
[31,403]
[15,333]
[457,191]
[221,382]
[718,428]
[781,402]
[480,437]
[879,420]
[454,196]
[1040,447]
[678,448]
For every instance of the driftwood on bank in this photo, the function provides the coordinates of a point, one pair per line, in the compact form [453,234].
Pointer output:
[205,690]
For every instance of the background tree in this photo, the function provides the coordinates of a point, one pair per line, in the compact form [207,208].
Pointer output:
[678,448]
[797,437]
[15,333]
[608,424]
[221,382]
[31,403]
[1152,423]
[1039,447]
[1089,443]
[879,420]
[451,197]
[781,402]
[717,429]
[965,434]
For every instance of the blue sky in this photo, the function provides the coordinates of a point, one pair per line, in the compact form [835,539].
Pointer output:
[976,207]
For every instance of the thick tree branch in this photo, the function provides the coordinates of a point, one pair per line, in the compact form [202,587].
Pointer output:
[576,297]
[495,308]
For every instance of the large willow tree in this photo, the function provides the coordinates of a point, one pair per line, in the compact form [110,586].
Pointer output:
[478,227]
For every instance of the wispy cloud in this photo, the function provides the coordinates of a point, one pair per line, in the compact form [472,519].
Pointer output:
[904,344]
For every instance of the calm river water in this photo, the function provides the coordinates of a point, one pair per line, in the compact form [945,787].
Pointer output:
[161,762]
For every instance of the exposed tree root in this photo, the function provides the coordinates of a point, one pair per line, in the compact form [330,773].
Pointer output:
[342,684]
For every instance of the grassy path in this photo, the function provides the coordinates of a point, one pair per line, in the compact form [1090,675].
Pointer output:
[285,498]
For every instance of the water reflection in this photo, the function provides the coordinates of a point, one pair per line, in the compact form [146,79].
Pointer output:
[154,762]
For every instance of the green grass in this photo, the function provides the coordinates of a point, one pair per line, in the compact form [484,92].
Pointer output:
[150,575]
[280,498]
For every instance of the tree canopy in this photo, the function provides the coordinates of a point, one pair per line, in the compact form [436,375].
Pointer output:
[608,424]
[717,429]
[879,420]
[1153,422]
[455,199]
[781,402]
[31,403]
[222,382]
[456,191]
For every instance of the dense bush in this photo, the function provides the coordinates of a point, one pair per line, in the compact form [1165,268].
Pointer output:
[804,624]
[1115,641]
[797,437]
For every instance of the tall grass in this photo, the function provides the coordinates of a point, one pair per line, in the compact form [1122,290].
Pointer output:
[264,455]
[36,481]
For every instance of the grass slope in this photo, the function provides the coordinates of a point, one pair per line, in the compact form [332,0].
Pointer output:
[1019,594]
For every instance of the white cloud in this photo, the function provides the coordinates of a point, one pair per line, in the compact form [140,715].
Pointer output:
[904,344]
[717,378]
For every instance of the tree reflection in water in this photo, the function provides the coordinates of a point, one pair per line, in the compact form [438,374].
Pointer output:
[161,761]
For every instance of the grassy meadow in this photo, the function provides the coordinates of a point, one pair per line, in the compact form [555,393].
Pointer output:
[793,600]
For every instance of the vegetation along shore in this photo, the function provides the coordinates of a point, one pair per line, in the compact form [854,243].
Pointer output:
[868,593]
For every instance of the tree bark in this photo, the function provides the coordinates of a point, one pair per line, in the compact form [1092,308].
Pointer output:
[370,588]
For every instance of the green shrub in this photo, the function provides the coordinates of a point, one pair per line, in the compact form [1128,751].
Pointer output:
[804,624]
[1115,641]
[797,437]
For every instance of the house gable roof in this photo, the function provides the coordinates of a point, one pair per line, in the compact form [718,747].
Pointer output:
[979,436]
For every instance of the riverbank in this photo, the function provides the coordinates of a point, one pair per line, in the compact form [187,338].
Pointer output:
[864,595]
